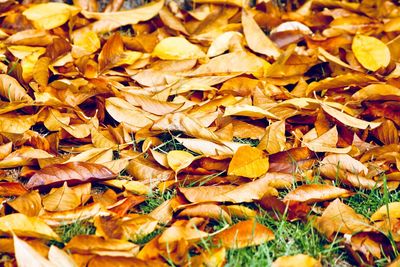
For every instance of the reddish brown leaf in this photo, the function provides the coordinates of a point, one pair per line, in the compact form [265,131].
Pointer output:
[72,173]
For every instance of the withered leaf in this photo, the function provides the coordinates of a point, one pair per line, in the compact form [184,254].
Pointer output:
[244,234]
[72,173]
[339,217]
[311,193]
[22,225]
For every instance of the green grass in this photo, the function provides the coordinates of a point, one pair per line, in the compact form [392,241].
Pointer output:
[291,238]
[248,141]
[366,202]
[68,231]
[154,200]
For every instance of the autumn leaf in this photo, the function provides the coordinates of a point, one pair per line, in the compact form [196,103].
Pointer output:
[255,37]
[28,256]
[177,48]
[50,15]
[248,162]
[244,234]
[371,52]
[74,172]
[296,260]
[339,217]
[314,193]
[23,225]
[11,89]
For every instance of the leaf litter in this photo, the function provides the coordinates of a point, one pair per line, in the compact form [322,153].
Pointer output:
[172,133]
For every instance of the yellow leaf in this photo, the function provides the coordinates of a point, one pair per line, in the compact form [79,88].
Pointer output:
[177,48]
[274,139]
[135,187]
[299,260]
[234,63]
[23,225]
[179,159]
[27,256]
[371,52]
[248,162]
[85,44]
[29,204]
[238,3]
[249,111]
[11,89]
[50,15]
[222,43]
[60,258]
[377,92]
[311,193]
[108,21]
[349,120]
[122,111]
[340,218]
[391,211]
[60,199]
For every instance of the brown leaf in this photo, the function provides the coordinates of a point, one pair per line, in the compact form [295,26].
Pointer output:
[8,189]
[244,234]
[339,217]
[247,192]
[29,204]
[90,244]
[73,173]
[311,193]
[11,89]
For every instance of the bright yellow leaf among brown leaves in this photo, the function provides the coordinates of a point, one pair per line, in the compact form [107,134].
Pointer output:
[199,133]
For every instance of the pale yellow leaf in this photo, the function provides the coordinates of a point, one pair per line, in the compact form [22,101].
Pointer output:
[371,52]
[177,48]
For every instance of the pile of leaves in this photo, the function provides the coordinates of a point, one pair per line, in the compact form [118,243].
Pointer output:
[219,113]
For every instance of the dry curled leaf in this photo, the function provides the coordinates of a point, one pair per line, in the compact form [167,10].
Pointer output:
[311,193]
[72,173]
[244,234]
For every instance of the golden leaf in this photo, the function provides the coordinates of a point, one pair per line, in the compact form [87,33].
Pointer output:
[371,52]
[50,15]
[177,48]
[248,162]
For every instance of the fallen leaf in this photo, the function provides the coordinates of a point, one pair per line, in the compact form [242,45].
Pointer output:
[62,198]
[60,258]
[296,260]
[28,256]
[23,225]
[256,38]
[177,48]
[311,193]
[29,204]
[50,15]
[248,162]
[339,217]
[11,89]
[244,234]
[90,244]
[247,192]
[371,52]
[74,172]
